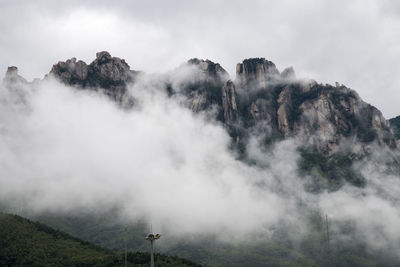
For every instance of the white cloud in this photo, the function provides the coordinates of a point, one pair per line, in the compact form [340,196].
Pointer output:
[70,150]
[353,42]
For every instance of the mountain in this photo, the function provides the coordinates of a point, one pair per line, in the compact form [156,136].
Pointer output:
[331,125]
[110,73]
[318,116]
[335,133]
[27,243]
[279,250]
[105,231]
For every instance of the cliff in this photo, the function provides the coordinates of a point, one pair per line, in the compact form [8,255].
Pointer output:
[329,124]
[111,74]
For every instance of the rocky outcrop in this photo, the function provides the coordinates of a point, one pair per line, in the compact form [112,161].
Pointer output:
[288,74]
[209,71]
[263,99]
[111,74]
[12,77]
[255,72]
[283,113]
[71,72]
[229,102]
[197,101]
[16,86]
[106,70]
[335,115]
[259,111]
[327,120]
[205,91]
[320,116]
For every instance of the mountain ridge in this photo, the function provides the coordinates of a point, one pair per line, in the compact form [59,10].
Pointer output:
[24,242]
[324,120]
[332,133]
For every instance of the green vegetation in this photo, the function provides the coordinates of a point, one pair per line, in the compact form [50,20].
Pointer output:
[280,248]
[337,252]
[100,230]
[298,97]
[336,169]
[27,243]
[208,250]
[212,252]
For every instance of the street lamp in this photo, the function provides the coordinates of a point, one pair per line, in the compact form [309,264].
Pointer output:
[152,238]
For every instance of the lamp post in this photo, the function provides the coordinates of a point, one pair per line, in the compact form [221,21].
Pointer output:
[152,238]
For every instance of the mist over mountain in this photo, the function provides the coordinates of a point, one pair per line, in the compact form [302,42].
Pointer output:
[196,152]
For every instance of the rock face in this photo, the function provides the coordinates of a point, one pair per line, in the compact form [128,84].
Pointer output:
[328,123]
[12,77]
[261,100]
[109,69]
[209,70]
[205,91]
[331,125]
[288,73]
[16,85]
[71,72]
[229,102]
[255,72]
[319,116]
[109,73]
[326,116]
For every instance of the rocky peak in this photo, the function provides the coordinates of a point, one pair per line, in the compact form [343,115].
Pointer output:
[204,88]
[330,121]
[105,71]
[70,72]
[12,76]
[103,56]
[209,69]
[111,74]
[255,72]
[288,74]
[106,67]
[316,115]
[12,71]
[16,84]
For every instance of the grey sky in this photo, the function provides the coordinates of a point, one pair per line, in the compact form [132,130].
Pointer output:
[352,42]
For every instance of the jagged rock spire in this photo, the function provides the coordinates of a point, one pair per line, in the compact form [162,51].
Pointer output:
[255,72]
[70,72]
[210,69]
[107,67]
[288,74]
[106,72]
[229,102]
[13,77]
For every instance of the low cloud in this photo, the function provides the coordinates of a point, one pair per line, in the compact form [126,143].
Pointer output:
[64,149]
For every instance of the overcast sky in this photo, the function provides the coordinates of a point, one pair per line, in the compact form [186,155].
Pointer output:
[353,42]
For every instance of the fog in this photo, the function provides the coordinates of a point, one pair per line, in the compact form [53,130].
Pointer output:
[68,150]
[73,150]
